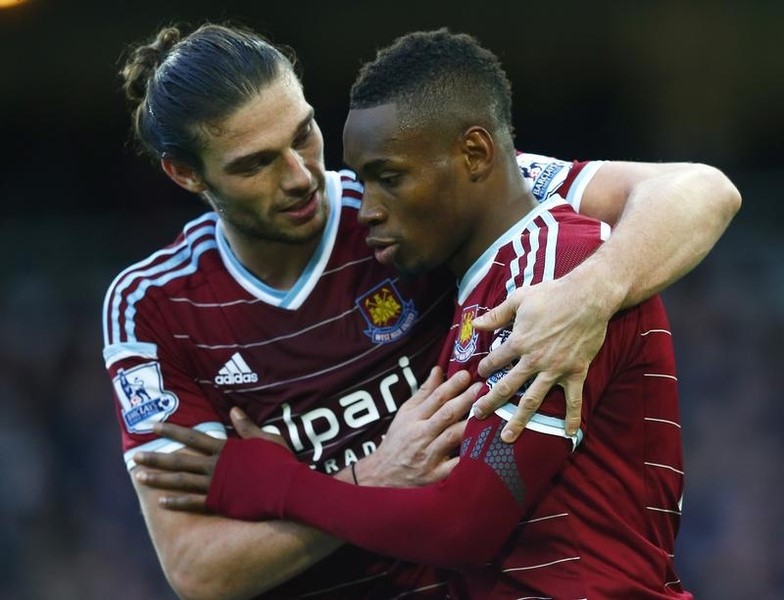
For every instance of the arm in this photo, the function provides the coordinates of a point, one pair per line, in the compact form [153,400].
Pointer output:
[463,520]
[666,218]
[213,557]
[209,556]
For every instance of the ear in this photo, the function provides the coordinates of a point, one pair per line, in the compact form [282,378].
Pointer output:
[183,175]
[478,151]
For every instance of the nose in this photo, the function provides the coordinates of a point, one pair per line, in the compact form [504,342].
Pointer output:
[297,178]
[371,212]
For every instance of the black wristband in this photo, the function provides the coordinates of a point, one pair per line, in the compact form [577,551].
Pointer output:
[354,473]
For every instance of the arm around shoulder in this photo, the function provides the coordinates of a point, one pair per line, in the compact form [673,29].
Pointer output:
[666,217]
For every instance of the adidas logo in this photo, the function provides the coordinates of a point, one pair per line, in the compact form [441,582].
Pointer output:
[235,371]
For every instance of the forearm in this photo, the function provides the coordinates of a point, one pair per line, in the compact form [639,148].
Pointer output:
[672,217]
[462,520]
[439,524]
[213,557]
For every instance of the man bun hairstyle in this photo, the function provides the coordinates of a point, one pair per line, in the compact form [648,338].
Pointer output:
[176,85]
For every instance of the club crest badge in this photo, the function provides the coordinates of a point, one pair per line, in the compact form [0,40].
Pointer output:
[388,316]
[465,344]
[142,397]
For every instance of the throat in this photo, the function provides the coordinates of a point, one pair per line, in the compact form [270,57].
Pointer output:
[277,264]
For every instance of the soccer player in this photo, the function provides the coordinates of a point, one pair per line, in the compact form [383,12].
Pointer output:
[551,516]
[273,303]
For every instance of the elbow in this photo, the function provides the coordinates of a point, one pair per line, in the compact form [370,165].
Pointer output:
[723,192]
[187,584]
[193,583]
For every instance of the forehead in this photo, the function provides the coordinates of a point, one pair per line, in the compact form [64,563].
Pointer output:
[266,121]
[371,133]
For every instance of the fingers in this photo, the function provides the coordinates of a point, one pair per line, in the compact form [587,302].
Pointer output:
[244,427]
[503,389]
[189,503]
[175,461]
[497,317]
[190,437]
[434,379]
[445,444]
[505,354]
[176,482]
[444,469]
[452,388]
[529,403]
[573,390]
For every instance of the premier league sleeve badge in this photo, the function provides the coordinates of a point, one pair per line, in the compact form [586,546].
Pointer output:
[143,400]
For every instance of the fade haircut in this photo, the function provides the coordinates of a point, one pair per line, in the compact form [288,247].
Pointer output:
[438,77]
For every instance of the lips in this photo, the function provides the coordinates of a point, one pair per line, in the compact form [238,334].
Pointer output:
[304,210]
[383,250]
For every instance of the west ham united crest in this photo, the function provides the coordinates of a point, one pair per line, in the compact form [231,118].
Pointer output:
[143,399]
[465,344]
[389,317]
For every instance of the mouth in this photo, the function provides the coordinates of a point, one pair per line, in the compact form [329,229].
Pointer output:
[304,209]
[383,250]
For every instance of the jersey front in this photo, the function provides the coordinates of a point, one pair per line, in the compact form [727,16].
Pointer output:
[190,333]
[599,521]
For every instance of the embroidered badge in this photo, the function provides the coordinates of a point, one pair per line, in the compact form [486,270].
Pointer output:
[493,378]
[465,344]
[542,177]
[142,397]
[389,317]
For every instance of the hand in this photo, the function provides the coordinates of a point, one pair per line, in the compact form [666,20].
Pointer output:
[190,473]
[557,332]
[420,445]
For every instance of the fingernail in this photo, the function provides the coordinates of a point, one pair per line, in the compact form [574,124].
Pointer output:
[507,435]
[141,476]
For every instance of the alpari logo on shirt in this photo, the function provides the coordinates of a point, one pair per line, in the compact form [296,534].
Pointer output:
[235,371]
[321,427]
[142,398]
[389,316]
[465,344]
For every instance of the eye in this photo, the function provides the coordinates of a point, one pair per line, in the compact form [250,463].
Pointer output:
[304,135]
[255,167]
[389,180]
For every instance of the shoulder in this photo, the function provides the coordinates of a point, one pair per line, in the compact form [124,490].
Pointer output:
[168,268]
[351,188]
[547,176]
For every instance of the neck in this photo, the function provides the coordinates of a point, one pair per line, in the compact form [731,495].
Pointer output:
[277,264]
[504,201]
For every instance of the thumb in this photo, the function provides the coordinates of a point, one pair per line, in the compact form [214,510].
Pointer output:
[244,427]
[497,317]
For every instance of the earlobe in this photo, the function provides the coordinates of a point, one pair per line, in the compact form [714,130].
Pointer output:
[479,152]
[183,175]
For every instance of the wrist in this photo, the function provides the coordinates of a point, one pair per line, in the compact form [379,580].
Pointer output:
[602,284]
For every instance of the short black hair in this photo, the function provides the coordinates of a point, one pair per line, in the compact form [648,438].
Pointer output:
[438,76]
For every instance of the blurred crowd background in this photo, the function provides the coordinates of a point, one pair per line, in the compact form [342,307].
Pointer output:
[641,80]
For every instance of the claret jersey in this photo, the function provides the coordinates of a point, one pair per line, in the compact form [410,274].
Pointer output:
[189,333]
[592,516]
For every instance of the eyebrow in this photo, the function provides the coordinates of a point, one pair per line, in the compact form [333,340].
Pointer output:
[267,155]
[373,167]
